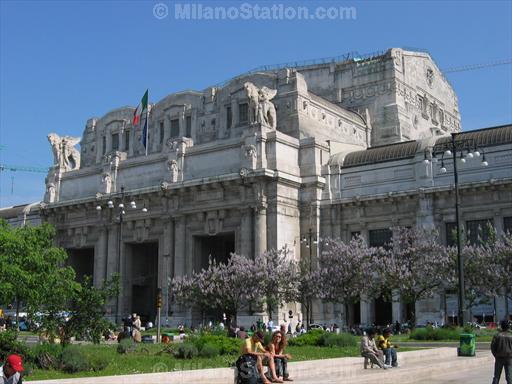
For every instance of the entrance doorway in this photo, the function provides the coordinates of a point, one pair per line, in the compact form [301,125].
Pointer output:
[383,312]
[144,279]
[218,247]
[82,261]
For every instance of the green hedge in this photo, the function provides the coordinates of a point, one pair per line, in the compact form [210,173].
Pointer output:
[225,345]
[321,338]
[436,334]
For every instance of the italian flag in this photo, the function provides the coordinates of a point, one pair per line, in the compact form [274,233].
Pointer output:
[143,105]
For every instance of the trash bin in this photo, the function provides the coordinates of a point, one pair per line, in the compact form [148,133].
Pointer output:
[148,339]
[467,345]
[167,337]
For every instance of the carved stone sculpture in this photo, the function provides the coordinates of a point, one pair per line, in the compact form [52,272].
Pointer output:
[106,180]
[50,193]
[172,167]
[65,155]
[259,101]
[250,151]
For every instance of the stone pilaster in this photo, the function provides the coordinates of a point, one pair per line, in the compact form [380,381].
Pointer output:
[100,257]
[260,230]
[367,310]
[246,233]
[179,246]
[397,308]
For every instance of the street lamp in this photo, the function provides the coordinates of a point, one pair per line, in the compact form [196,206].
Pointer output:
[309,241]
[467,149]
[121,212]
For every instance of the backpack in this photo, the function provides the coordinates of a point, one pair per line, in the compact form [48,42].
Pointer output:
[246,371]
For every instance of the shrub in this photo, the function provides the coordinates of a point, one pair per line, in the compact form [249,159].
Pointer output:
[74,359]
[9,344]
[225,345]
[126,346]
[209,351]
[98,363]
[185,351]
[435,334]
[310,338]
[47,356]
[335,340]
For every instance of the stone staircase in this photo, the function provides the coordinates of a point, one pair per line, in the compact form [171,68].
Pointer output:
[414,366]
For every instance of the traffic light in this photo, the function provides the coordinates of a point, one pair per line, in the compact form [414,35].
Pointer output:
[159,298]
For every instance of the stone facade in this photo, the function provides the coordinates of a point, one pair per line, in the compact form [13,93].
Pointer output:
[256,164]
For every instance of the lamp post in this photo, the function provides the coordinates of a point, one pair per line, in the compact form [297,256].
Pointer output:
[309,241]
[121,212]
[467,149]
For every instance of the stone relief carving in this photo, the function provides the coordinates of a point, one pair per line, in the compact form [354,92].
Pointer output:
[65,155]
[259,102]
[430,76]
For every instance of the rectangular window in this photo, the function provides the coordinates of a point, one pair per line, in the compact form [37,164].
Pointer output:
[380,237]
[478,231]
[104,145]
[162,132]
[115,141]
[229,117]
[507,224]
[243,113]
[451,234]
[188,126]
[126,141]
[175,128]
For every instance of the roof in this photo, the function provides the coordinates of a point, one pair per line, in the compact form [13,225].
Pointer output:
[483,137]
[17,210]
[378,154]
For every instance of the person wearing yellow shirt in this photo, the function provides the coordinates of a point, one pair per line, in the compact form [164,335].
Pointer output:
[384,344]
[253,347]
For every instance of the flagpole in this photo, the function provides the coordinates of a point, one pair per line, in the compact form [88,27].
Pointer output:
[147,126]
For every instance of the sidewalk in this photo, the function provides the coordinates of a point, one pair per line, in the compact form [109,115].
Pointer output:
[415,365]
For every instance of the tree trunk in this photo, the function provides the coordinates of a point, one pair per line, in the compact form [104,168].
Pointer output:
[17,314]
[507,309]
[412,313]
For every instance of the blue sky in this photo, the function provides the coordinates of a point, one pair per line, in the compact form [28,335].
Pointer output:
[64,62]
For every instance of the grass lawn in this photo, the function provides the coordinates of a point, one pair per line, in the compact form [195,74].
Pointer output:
[147,360]
[481,336]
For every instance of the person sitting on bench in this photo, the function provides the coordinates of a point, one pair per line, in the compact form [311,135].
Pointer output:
[254,349]
[384,344]
[369,349]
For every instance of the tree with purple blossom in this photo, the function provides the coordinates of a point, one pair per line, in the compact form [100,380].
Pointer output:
[416,266]
[276,274]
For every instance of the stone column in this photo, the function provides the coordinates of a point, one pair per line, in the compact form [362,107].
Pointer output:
[182,123]
[100,256]
[260,230]
[111,266]
[167,253]
[397,307]
[367,314]
[179,246]
[246,246]
[112,250]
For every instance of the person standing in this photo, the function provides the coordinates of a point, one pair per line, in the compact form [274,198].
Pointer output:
[10,372]
[501,348]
